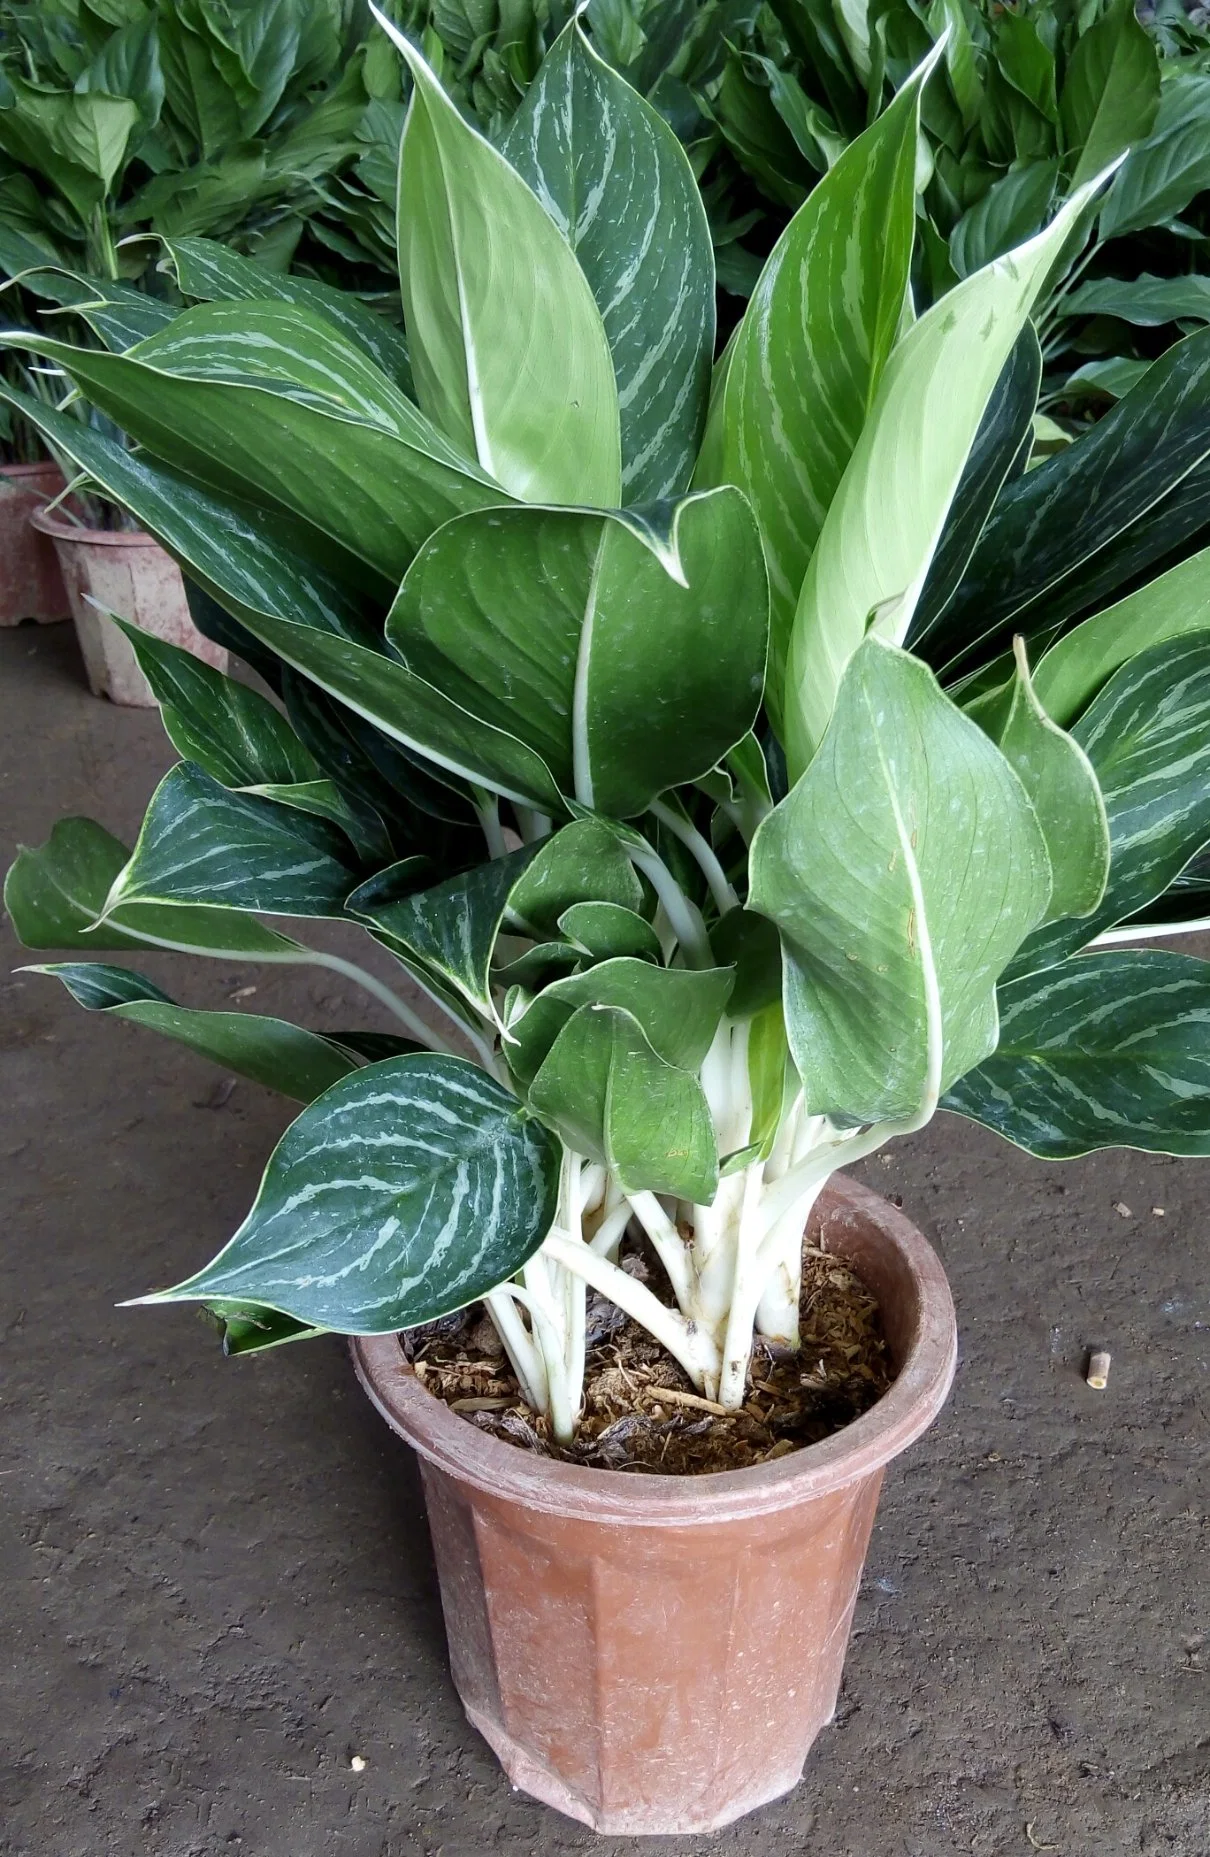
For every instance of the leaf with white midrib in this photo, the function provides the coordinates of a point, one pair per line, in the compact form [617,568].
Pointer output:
[404,1192]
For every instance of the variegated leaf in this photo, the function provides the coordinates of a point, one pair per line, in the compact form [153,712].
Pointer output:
[405,1191]
[1110,1050]
[618,184]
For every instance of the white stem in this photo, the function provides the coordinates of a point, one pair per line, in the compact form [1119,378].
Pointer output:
[487,809]
[695,1350]
[668,1246]
[608,1235]
[747,1284]
[524,1355]
[534,826]
[703,854]
[424,1034]
[684,917]
[1148,931]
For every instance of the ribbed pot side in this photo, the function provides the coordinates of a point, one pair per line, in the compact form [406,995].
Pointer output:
[657,1654]
[31,585]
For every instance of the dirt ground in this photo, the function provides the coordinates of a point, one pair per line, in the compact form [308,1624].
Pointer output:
[216,1581]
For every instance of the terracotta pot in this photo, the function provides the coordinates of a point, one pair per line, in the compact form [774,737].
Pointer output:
[31,585]
[129,573]
[657,1654]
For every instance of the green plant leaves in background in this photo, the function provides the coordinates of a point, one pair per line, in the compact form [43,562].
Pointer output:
[1011,209]
[1111,92]
[1163,174]
[270,1051]
[805,363]
[625,679]
[508,350]
[1147,302]
[407,1190]
[619,186]
[903,870]
[887,516]
[1106,1051]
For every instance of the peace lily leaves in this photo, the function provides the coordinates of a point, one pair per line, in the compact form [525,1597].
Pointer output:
[807,358]
[610,1096]
[888,513]
[1108,1050]
[269,1051]
[242,398]
[628,671]
[1147,736]
[1079,664]
[1058,776]
[202,844]
[405,1191]
[618,185]
[903,870]
[1111,92]
[508,350]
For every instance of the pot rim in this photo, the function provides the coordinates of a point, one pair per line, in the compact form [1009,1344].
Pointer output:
[37,469]
[50,524]
[859,1450]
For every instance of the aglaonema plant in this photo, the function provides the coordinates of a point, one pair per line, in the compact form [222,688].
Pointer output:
[744,761]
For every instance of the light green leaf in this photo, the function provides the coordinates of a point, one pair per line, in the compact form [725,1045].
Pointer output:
[582,863]
[230,731]
[619,186]
[508,349]
[213,273]
[888,514]
[903,870]
[606,932]
[1113,377]
[612,1098]
[1111,1050]
[1058,777]
[249,1328]
[677,1008]
[804,366]
[1111,91]
[270,1051]
[1148,737]
[405,1191]
[201,844]
[1079,664]
[628,670]
[94,132]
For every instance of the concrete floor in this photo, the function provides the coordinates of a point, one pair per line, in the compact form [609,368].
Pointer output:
[217,1586]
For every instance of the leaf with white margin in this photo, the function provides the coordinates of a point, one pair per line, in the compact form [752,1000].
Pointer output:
[903,870]
[508,349]
[888,515]
[404,1192]
[618,185]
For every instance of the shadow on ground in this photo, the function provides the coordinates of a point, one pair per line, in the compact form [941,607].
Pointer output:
[216,1577]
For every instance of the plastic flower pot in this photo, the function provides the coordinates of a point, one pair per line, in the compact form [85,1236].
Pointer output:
[657,1654]
[128,573]
[31,583]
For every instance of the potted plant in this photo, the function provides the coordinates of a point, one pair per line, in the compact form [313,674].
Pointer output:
[743,765]
[31,586]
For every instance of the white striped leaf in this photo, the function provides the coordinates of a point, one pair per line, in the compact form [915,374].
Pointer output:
[246,557]
[262,401]
[887,516]
[1078,665]
[508,349]
[201,844]
[628,671]
[270,1051]
[405,1191]
[610,1096]
[903,870]
[806,360]
[1147,736]
[229,730]
[1058,776]
[214,274]
[55,893]
[678,1009]
[363,828]
[1110,1050]
[618,185]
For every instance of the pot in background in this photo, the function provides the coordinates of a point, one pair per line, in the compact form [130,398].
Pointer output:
[657,1654]
[31,584]
[127,572]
